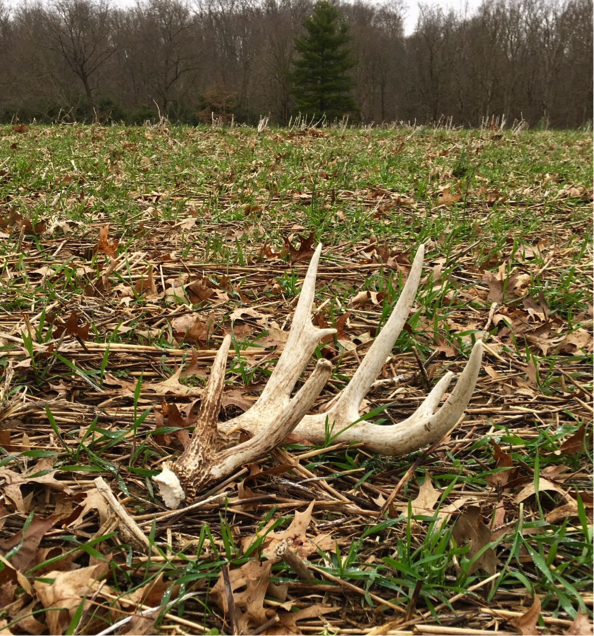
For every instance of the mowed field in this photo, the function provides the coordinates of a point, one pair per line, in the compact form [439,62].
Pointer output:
[126,255]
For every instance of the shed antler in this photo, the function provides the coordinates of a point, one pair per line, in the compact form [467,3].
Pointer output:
[208,459]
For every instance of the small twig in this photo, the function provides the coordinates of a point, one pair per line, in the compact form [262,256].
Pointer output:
[354,588]
[424,377]
[173,513]
[128,523]
[269,623]
[446,630]
[88,608]
[300,568]
[230,600]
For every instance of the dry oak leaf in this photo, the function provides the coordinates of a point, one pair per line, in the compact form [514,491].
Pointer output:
[173,386]
[447,198]
[71,328]
[580,342]
[93,501]
[28,623]
[10,579]
[470,527]
[191,328]
[25,558]
[363,298]
[103,246]
[193,368]
[526,623]
[581,626]
[146,285]
[445,347]
[13,482]
[427,498]
[152,593]
[305,250]
[543,484]
[4,631]
[142,625]
[505,462]
[64,595]
[574,444]
[288,622]
[295,536]
[253,578]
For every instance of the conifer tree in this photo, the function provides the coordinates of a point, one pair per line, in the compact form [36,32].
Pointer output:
[320,80]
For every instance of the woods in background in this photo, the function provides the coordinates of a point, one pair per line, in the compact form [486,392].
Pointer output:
[220,60]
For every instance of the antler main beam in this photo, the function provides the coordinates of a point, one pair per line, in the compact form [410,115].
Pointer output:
[208,458]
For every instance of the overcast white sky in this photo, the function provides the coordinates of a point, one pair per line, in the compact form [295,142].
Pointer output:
[464,7]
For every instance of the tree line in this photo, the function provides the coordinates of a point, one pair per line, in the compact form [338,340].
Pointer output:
[223,60]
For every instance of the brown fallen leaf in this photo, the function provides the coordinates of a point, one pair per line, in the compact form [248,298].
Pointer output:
[152,593]
[504,462]
[579,342]
[526,623]
[93,501]
[445,347]
[581,626]
[426,499]
[64,595]
[71,328]
[146,285]
[303,252]
[543,484]
[191,328]
[447,198]
[173,386]
[103,245]
[193,368]
[27,623]
[253,579]
[4,631]
[470,528]
[199,291]
[25,557]
[141,625]
[295,536]
[14,481]
[288,622]
[169,415]
[364,298]
[573,444]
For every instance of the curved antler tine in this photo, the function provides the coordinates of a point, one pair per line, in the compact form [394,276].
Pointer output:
[458,400]
[347,404]
[301,343]
[431,402]
[286,421]
[421,428]
[424,427]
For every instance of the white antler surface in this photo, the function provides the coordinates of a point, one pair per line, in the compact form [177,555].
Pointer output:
[209,458]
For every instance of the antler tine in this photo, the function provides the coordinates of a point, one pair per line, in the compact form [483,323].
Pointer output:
[301,343]
[266,440]
[346,406]
[203,463]
[421,428]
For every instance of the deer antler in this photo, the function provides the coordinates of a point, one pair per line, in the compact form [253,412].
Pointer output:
[209,459]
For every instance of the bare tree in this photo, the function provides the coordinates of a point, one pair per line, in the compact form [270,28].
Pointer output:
[79,30]
[160,49]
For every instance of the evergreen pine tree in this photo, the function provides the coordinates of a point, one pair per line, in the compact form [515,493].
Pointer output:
[320,80]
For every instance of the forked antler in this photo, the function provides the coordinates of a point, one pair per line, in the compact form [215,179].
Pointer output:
[207,459]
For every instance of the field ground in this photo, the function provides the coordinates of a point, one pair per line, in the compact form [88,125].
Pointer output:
[124,254]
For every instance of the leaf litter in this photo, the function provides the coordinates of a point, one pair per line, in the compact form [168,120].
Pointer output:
[109,329]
